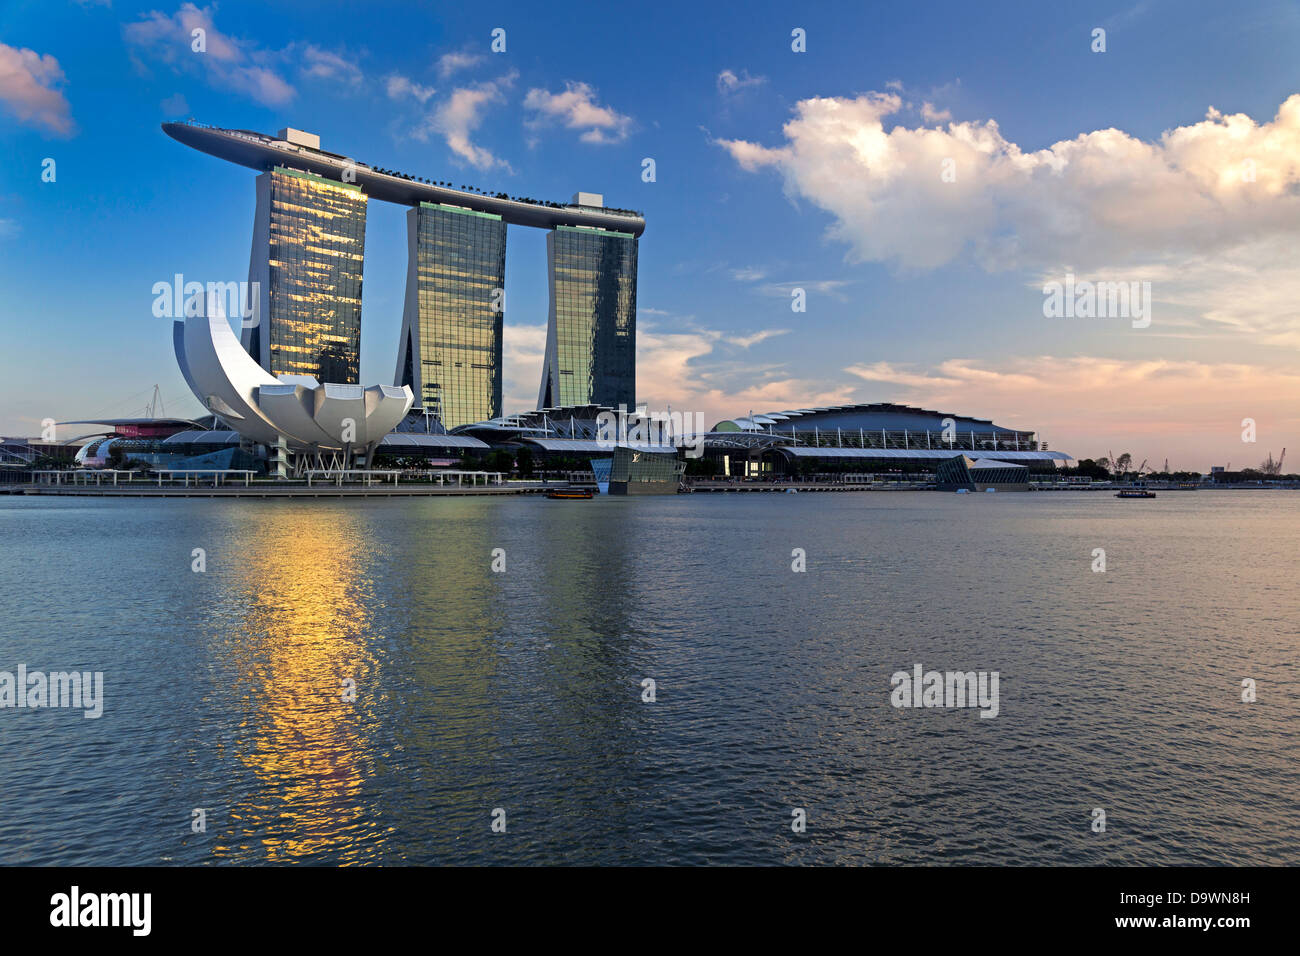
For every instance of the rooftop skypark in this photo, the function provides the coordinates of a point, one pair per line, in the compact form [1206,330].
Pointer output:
[261,151]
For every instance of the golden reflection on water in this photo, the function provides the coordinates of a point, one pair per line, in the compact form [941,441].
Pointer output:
[304,579]
[456,668]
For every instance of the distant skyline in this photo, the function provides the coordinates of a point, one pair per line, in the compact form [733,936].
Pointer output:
[920,172]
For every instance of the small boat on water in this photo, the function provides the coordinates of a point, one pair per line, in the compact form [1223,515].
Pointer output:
[565,494]
[1134,493]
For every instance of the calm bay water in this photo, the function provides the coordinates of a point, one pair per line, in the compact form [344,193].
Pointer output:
[522,690]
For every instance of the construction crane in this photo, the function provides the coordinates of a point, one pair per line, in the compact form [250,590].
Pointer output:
[155,404]
[1271,467]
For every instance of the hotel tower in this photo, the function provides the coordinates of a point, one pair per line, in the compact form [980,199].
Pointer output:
[308,256]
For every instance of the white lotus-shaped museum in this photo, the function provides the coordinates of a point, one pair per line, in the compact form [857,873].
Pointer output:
[307,415]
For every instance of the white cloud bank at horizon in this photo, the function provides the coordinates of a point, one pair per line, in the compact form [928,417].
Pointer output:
[1189,411]
[1183,409]
[670,372]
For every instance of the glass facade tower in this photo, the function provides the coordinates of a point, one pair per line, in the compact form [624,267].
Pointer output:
[591,329]
[309,238]
[450,347]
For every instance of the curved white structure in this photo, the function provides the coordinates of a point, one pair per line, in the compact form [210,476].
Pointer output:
[307,415]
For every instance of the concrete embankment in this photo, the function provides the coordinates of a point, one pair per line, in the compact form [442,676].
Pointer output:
[273,491]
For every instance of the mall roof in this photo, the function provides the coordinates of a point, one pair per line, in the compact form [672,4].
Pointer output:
[1005,457]
[118,422]
[580,446]
[197,437]
[887,415]
[417,440]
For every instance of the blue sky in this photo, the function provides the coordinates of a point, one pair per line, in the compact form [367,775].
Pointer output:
[775,170]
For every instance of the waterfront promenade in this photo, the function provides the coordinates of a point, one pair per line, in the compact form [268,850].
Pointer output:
[275,490]
[242,484]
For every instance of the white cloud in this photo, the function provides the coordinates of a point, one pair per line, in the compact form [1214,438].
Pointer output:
[729,82]
[828,287]
[29,89]
[1101,198]
[748,274]
[686,370]
[522,350]
[679,368]
[576,108]
[730,338]
[460,114]
[450,63]
[932,115]
[226,62]
[398,87]
[1251,292]
[175,105]
[324,65]
[745,341]
[1209,213]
